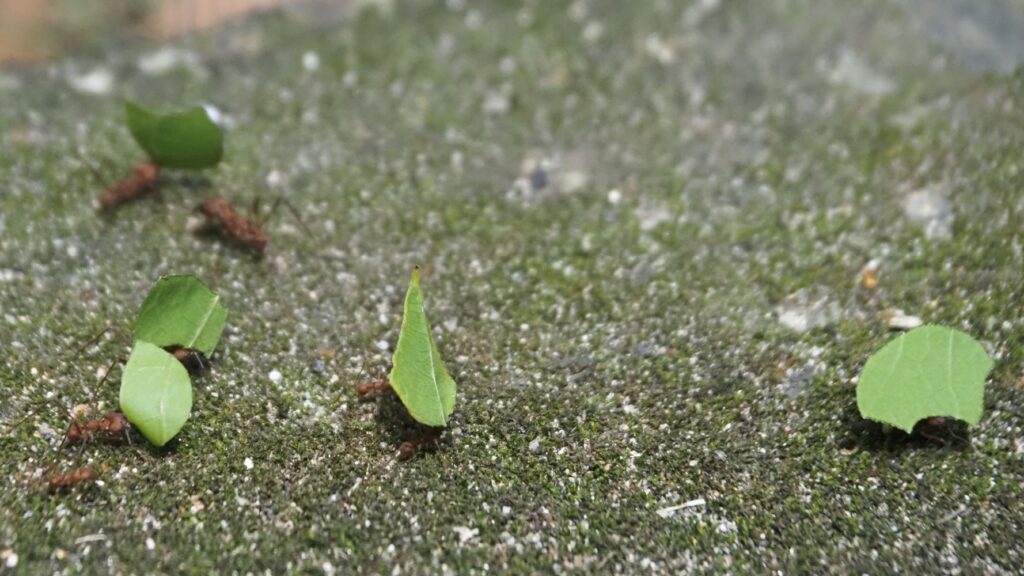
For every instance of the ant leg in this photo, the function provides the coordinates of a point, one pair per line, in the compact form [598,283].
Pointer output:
[117,331]
[281,200]
[927,433]
[93,170]
[254,211]
[295,213]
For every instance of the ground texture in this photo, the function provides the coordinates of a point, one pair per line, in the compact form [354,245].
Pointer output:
[644,229]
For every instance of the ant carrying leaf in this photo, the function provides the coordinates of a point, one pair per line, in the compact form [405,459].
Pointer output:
[375,385]
[193,360]
[379,387]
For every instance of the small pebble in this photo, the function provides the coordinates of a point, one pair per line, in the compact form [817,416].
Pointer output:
[930,209]
[901,321]
[96,82]
[465,534]
[311,61]
[248,463]
[274,179]
[275,376]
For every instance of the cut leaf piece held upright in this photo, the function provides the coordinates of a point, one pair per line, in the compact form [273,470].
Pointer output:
[927,372]
[186,139]
[181,311]
[156,393]
[418,375]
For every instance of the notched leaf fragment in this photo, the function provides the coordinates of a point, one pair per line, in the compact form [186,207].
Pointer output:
[931,371]
[418,374]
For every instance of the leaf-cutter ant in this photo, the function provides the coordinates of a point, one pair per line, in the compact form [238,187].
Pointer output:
[110,429]
[221,217]
[936,429]
[373,386]
[193,360]
[376,385]
[381,387]
[142,181]
[66,481]
[113,428]
[409,448]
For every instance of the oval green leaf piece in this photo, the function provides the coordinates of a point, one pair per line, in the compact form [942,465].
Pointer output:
[929,371]
[156,393]
[418,375]
[181,311]
[186,139]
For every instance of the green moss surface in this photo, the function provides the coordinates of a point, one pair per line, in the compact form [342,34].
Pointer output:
[612,318]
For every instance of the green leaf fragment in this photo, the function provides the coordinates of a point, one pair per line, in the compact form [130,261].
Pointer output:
[156,393]
[418,374]
[186,139]
[181,311]
[927,372]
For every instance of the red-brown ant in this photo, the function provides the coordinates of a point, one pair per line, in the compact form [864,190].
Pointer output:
[222,217]
[193,360]
[110,429]
[409,448]
[113,428]
[374,386]
[77,476]
[142,181]
[933,428]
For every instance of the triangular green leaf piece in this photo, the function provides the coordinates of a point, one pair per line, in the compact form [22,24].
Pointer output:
[929,371]
[181,311]
[418,375]
[156,393]
[186,139]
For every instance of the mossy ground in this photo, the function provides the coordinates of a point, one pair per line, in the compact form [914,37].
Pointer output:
[612,319]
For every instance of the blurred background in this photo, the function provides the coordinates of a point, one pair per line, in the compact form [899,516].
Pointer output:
[35,29]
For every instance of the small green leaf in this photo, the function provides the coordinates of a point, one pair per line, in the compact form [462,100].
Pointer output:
[186,139]
[929,371]
[181,311]
[418,375]
[156,393]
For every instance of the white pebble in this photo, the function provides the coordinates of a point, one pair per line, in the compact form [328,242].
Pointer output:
[465,534]
[150,544]
[248,463]
[97,82]
[311,61]
[274,179]
[614,196]
[275,376]
[901,321]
